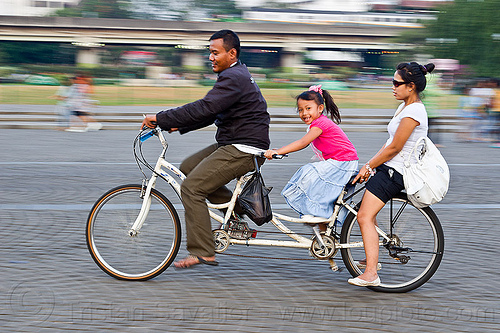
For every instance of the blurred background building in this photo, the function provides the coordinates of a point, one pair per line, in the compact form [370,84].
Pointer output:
[281,39]
[167,9]
[34,7]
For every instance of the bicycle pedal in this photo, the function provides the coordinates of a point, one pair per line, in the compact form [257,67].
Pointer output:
[240,230]
[242,234]
[333,265]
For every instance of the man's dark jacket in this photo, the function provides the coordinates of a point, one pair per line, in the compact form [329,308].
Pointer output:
[236,106]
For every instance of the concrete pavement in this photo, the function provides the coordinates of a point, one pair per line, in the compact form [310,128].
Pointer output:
[48,282]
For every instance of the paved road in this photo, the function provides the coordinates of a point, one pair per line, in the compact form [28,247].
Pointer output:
[48,282]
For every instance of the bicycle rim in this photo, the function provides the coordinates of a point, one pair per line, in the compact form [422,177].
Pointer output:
[139,257]
[417,231]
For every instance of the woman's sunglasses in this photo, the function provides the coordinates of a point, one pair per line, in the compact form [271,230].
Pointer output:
[398,83]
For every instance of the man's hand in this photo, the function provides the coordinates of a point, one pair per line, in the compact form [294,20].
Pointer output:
[149,121]
[269,153]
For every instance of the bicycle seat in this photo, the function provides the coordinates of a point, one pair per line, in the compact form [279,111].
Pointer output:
[349,183]
[313,219]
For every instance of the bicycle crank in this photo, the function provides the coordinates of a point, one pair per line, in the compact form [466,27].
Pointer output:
[323,248]
[221,239]
[395,248]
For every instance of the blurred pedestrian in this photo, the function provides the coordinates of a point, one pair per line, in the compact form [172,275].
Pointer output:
[432,94]
[79,103]
[484,94]
[62,110]
[495,114]
[467,113]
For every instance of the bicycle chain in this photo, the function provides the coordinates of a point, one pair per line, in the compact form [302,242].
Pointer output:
[275,258]
[261,257]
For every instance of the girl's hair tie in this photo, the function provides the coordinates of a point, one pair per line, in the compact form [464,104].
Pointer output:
[316,89]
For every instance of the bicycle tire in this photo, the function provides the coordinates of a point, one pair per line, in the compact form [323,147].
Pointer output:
[140,257]
[417,229]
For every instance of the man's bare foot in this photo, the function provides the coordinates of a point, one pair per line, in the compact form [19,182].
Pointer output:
[192,260]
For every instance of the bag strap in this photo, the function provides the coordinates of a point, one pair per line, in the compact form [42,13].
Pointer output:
[406,160]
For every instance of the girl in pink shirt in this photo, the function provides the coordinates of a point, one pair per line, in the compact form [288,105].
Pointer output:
[313,189]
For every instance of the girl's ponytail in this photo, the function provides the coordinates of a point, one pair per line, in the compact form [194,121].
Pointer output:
[331,108]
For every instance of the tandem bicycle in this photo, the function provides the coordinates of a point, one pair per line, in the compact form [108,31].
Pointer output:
[133,232]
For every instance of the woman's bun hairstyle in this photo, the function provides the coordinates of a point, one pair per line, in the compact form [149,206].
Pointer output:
[414,72]
[427,68]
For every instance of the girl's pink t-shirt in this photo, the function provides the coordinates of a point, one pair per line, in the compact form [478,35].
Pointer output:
[333,142]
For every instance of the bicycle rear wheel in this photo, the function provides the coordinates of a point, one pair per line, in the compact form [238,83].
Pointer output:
[139,257]
[412,255]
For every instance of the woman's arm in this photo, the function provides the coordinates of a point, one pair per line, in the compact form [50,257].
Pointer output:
[405,128]
[301,143]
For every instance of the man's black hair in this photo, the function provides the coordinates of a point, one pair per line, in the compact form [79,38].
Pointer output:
[230,40]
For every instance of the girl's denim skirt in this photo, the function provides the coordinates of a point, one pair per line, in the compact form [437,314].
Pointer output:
[313,189]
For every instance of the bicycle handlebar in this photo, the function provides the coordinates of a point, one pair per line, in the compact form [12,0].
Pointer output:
[257,152]
[275,156]
[148,134]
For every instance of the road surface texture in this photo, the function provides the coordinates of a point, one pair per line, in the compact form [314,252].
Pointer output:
[48,281]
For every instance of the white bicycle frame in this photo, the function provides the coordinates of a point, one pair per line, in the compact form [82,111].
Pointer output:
[162,165]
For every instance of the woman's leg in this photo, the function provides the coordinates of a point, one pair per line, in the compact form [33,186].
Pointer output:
[370,206]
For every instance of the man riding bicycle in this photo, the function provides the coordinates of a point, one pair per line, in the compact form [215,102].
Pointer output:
[238,109]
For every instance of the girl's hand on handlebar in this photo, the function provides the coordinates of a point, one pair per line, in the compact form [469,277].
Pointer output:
[149,121]
[269,154]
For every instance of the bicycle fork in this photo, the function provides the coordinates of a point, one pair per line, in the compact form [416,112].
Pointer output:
[146,205]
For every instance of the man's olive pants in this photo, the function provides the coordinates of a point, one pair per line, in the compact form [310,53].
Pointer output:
[208,171]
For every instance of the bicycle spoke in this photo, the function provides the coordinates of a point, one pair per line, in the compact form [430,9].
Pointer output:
[411,255]
[394,219]
[143,255]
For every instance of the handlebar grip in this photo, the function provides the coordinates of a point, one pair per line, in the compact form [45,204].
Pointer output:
[275,156]
[148,134]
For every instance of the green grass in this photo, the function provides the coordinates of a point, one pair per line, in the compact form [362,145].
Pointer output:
[174,96]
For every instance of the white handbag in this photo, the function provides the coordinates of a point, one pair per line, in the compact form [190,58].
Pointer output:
[426,181]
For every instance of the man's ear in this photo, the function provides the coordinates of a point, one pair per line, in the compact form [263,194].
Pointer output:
[233,53]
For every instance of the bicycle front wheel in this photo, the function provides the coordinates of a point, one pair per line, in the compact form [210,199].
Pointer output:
[132,257]
[411,255]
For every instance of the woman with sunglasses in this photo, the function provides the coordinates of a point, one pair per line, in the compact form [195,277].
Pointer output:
[386,167]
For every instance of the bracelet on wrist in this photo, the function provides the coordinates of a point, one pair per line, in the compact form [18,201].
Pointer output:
[370,170]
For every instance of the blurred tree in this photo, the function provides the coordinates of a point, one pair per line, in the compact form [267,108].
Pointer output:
[98,8]
[36,53]
[467,30]
[219,7]
[3,56]
[185,10]
[112,54]
[156,9]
